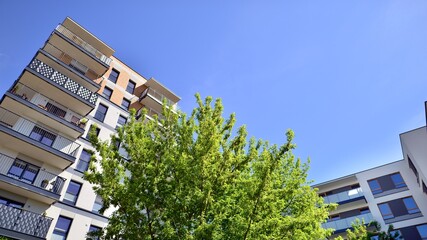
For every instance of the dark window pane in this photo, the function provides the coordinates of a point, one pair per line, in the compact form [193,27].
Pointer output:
[113,76]
[385,211]
[72,192]
[93,229]
[375,186]
[11,203]
[61,228]
[97,204]
[422,230]
[107,92]
[84,160]
[130,87]
[42,136]
[121,121]
[101,112]
[411,206]
[125,103]
[398,180]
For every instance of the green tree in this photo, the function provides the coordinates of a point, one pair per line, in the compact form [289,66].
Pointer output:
[194,177]
[360,231]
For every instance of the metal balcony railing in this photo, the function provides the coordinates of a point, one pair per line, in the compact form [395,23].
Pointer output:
[158,96]
[89,48]
[346,222]
[46,103]
[71,62]
[24,221]
[64,81]
[38,133]
[30,174]
[344,196]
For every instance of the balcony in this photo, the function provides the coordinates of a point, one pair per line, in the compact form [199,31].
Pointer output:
[29,138]
[346,196]
[22,224]
[28,180]
[154,100]
[25,101]
[83,44]
[345,223]
[150,114]
[62,84]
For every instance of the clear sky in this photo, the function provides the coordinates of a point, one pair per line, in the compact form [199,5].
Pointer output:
[347,76]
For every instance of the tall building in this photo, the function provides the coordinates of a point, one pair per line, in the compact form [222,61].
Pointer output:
[72,82]
[395,193]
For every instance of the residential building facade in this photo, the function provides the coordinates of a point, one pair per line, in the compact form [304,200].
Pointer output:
[394,193]
[72,83]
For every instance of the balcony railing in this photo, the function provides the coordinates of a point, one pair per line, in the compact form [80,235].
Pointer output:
[71,62]
[30,174]
[24,221]
[344,196]
[346,222]
[38,133]
[64,81]
[158,96]
[45,103]
[76,39]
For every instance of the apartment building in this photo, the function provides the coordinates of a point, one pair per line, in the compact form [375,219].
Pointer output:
[394,193]
[73,82]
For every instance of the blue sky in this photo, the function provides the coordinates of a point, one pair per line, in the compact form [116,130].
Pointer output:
[347,76]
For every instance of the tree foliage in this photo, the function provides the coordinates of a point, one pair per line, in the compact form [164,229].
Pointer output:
[195,177]
[360,231]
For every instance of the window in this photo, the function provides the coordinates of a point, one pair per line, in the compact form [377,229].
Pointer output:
[414,169]
[84,160]
[398,180]
[375,186]
[42,136]
[24,171]
[113,75]
[424,188]
[101,112]
[97,205]
[385,211]
[334,218]
[130,87]
[97,130]
[55,110]
[125,103]
[61,228]
[107,92]
[422,230]
[11,203]
[364,210]
[93,229]
[121,121]
[410,205]
[72,193]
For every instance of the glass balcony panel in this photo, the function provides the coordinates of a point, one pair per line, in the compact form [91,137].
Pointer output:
[344,196]
[345,223]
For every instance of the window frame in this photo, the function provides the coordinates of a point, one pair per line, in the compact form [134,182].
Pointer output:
[100,116]
[125,101]
[83,162]
[133,88]
[118,124]
[412,210]
[401,184]
[109,89]
[93,228]
[62,232]
[113,78]
[24,169]
[377,190]
[76,195]
[388,215]
[39,134]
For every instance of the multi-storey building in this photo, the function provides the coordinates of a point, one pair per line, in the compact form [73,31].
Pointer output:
[73,82]
[394,193]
